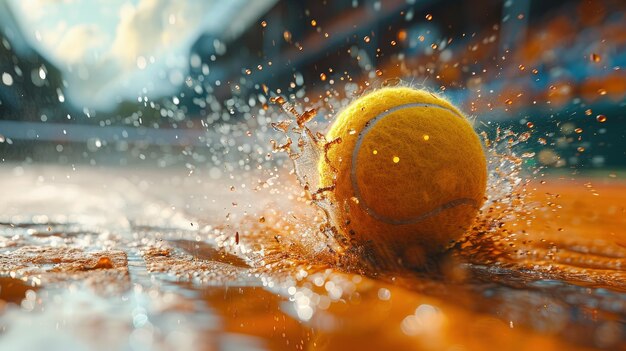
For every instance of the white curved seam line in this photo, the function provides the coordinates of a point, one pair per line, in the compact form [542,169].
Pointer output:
[368,126]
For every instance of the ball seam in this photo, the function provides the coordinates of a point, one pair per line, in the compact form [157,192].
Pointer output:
[357,193]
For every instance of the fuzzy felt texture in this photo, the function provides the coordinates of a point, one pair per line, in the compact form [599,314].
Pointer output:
[410,169]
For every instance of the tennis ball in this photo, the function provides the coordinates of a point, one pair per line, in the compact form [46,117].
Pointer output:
[409,171]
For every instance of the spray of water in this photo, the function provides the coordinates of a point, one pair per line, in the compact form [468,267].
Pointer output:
[486,241]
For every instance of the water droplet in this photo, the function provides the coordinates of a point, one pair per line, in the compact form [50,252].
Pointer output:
[306,116]
[429,17]
[402,35]
[601,118]
[426,137]
[313,23]
[366,39]
[278,100]
[391,82]
[7,79]
[281,126]
[263,24]
[375,152]
[323,76]
[595,57]
[588,112]
[396,159]
[578,130]
[524,137]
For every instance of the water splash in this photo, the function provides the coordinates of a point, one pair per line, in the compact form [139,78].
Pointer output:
[505,198]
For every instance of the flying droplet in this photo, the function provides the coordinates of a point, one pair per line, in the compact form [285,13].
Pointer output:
[278,100]
[402,35]
[391,82]
[595,57]
[306,116]
[282,126]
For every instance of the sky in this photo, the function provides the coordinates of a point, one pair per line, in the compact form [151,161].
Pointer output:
[114,50]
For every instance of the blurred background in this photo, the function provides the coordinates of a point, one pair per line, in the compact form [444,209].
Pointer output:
[159,83]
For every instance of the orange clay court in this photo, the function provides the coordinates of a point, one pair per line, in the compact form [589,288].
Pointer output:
[561,268]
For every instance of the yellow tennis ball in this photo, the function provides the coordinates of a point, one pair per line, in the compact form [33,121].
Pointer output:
[409,171]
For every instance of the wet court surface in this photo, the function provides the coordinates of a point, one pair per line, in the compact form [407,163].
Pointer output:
[148,259]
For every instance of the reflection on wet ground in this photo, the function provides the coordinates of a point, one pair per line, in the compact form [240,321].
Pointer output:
[99,261]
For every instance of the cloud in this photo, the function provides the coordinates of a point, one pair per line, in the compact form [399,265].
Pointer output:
[107,56]
[81,43]
[157,28]
[113,50]
[150,50]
